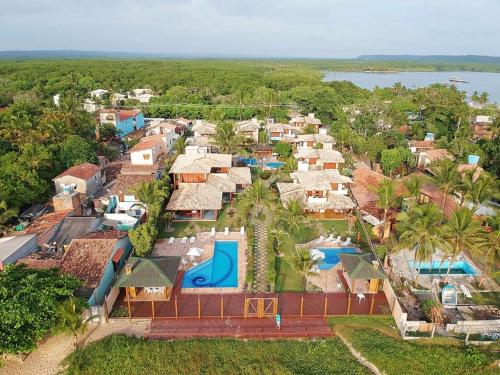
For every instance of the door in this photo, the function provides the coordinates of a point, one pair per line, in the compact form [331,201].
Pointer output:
[260,307]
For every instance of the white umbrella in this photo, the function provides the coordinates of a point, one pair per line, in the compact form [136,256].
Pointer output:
[194,251]
[317,254]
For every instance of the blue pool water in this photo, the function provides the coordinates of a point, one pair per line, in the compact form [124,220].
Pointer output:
[332,256]
[220,271]
[438,268]
[250,162]
[275,164]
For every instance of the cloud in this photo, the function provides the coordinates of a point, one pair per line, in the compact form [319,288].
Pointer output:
[310,28]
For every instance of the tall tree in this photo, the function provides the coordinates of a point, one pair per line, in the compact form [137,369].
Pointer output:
[226,138]
[413,185]
[462,233]
[421,231]
[293,214]
[387,198]
[6,215]
[304,264]
[446,177]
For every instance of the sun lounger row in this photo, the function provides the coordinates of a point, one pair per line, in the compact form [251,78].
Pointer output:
[183,240]
[337,240]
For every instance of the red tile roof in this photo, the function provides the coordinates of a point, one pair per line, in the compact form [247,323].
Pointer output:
[422,144]
[87,256]
[125,114]
[147,143]
[84,171]
[46,222]
[438,154]
[363,183]
[104,235]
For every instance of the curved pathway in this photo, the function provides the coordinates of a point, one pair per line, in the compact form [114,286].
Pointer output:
[359,357]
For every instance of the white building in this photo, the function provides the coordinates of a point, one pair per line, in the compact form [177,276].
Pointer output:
[98,94]
[147,151]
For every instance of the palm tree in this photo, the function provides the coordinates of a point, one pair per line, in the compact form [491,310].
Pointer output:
[446,177]
[169,217]
[387,198]
[302,262]
[279,236]
[293,214]
[148,193]
[226,139]
[180,145]
[6,214]
[483,98]
[413,185]
[420,230]
[481,190]
[462,233]
[491,250]
[70,318]
[258,192]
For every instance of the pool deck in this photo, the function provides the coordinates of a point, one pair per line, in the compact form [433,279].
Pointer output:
[206,241]
[400,264]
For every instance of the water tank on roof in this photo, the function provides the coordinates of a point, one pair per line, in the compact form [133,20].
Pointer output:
[429,137]
[473,159]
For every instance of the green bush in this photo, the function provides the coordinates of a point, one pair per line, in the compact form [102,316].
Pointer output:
[283,149]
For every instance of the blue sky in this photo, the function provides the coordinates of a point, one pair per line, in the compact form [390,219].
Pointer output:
[302,28]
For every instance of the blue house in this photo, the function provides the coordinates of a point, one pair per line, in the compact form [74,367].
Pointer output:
[125,121]
[96,258]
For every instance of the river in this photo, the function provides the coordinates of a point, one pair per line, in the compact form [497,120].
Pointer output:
[477,81]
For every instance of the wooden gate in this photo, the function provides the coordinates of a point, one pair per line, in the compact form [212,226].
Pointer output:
[260,307]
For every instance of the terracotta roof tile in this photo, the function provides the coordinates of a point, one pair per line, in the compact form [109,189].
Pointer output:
[87,256]
[126,114]
[124,184]
[83,171]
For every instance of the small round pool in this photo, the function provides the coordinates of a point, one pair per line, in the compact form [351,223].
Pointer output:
[275,165]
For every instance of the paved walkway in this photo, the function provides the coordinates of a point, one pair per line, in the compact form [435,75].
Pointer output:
[254,328]
[261,220]
[46,360]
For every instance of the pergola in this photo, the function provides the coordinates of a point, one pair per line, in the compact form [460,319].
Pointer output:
[362,272]
[148,279]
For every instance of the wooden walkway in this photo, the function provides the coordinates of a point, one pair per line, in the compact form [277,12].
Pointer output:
[251,328]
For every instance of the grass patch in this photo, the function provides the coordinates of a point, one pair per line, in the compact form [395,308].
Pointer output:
[485,298]
[339,227]
[120,354]
[287,280]
[378,340]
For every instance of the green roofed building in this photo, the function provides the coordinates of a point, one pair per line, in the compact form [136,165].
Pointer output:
[362,272]
[148,279]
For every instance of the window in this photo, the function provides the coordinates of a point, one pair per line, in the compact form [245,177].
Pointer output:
[146,156]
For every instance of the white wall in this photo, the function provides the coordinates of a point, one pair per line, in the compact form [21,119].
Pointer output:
[144,157]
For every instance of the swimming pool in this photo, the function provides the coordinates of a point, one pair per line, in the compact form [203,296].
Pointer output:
[332,256]
[220,271]
[438,268]
[249,162]
[275,164]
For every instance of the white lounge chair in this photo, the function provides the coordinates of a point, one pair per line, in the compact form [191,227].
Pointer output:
[242,231]
[329,238]
[320,240]
[346,242]
[195,263]
[315,269]
[337,240]
[212,232]
[184,240]
[191,240]
[183,261]
[360,297]
[171,240]
[226,231]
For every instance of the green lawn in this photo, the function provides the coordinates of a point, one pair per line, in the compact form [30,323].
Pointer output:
[119,354]
[378,340]
[485,298]
[190,228]
[287,280]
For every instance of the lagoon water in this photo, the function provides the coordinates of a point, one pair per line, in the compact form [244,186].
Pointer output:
[479,81]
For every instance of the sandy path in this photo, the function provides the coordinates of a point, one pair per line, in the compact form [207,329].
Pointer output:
[47,358]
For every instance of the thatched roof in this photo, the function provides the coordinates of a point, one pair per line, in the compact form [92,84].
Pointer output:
[195,197]
[200,163]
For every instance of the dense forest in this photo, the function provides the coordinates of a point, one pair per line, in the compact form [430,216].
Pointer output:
[39,140]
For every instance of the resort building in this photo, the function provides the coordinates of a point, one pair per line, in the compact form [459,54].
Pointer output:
[149,149]
[249,129]
[276,131]
[98,94]
[311,159]
[85,179]
[163,127]
[203,129]
[362,273]
[202,182]
[142,95]
[96,258]
[91,106]
[481,127]
[323,193]
[125,121]
[301,122]
[312,141]
[425,158]
[416,147]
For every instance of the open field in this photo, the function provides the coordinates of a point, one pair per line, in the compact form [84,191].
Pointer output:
[378,341]
[123,355]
